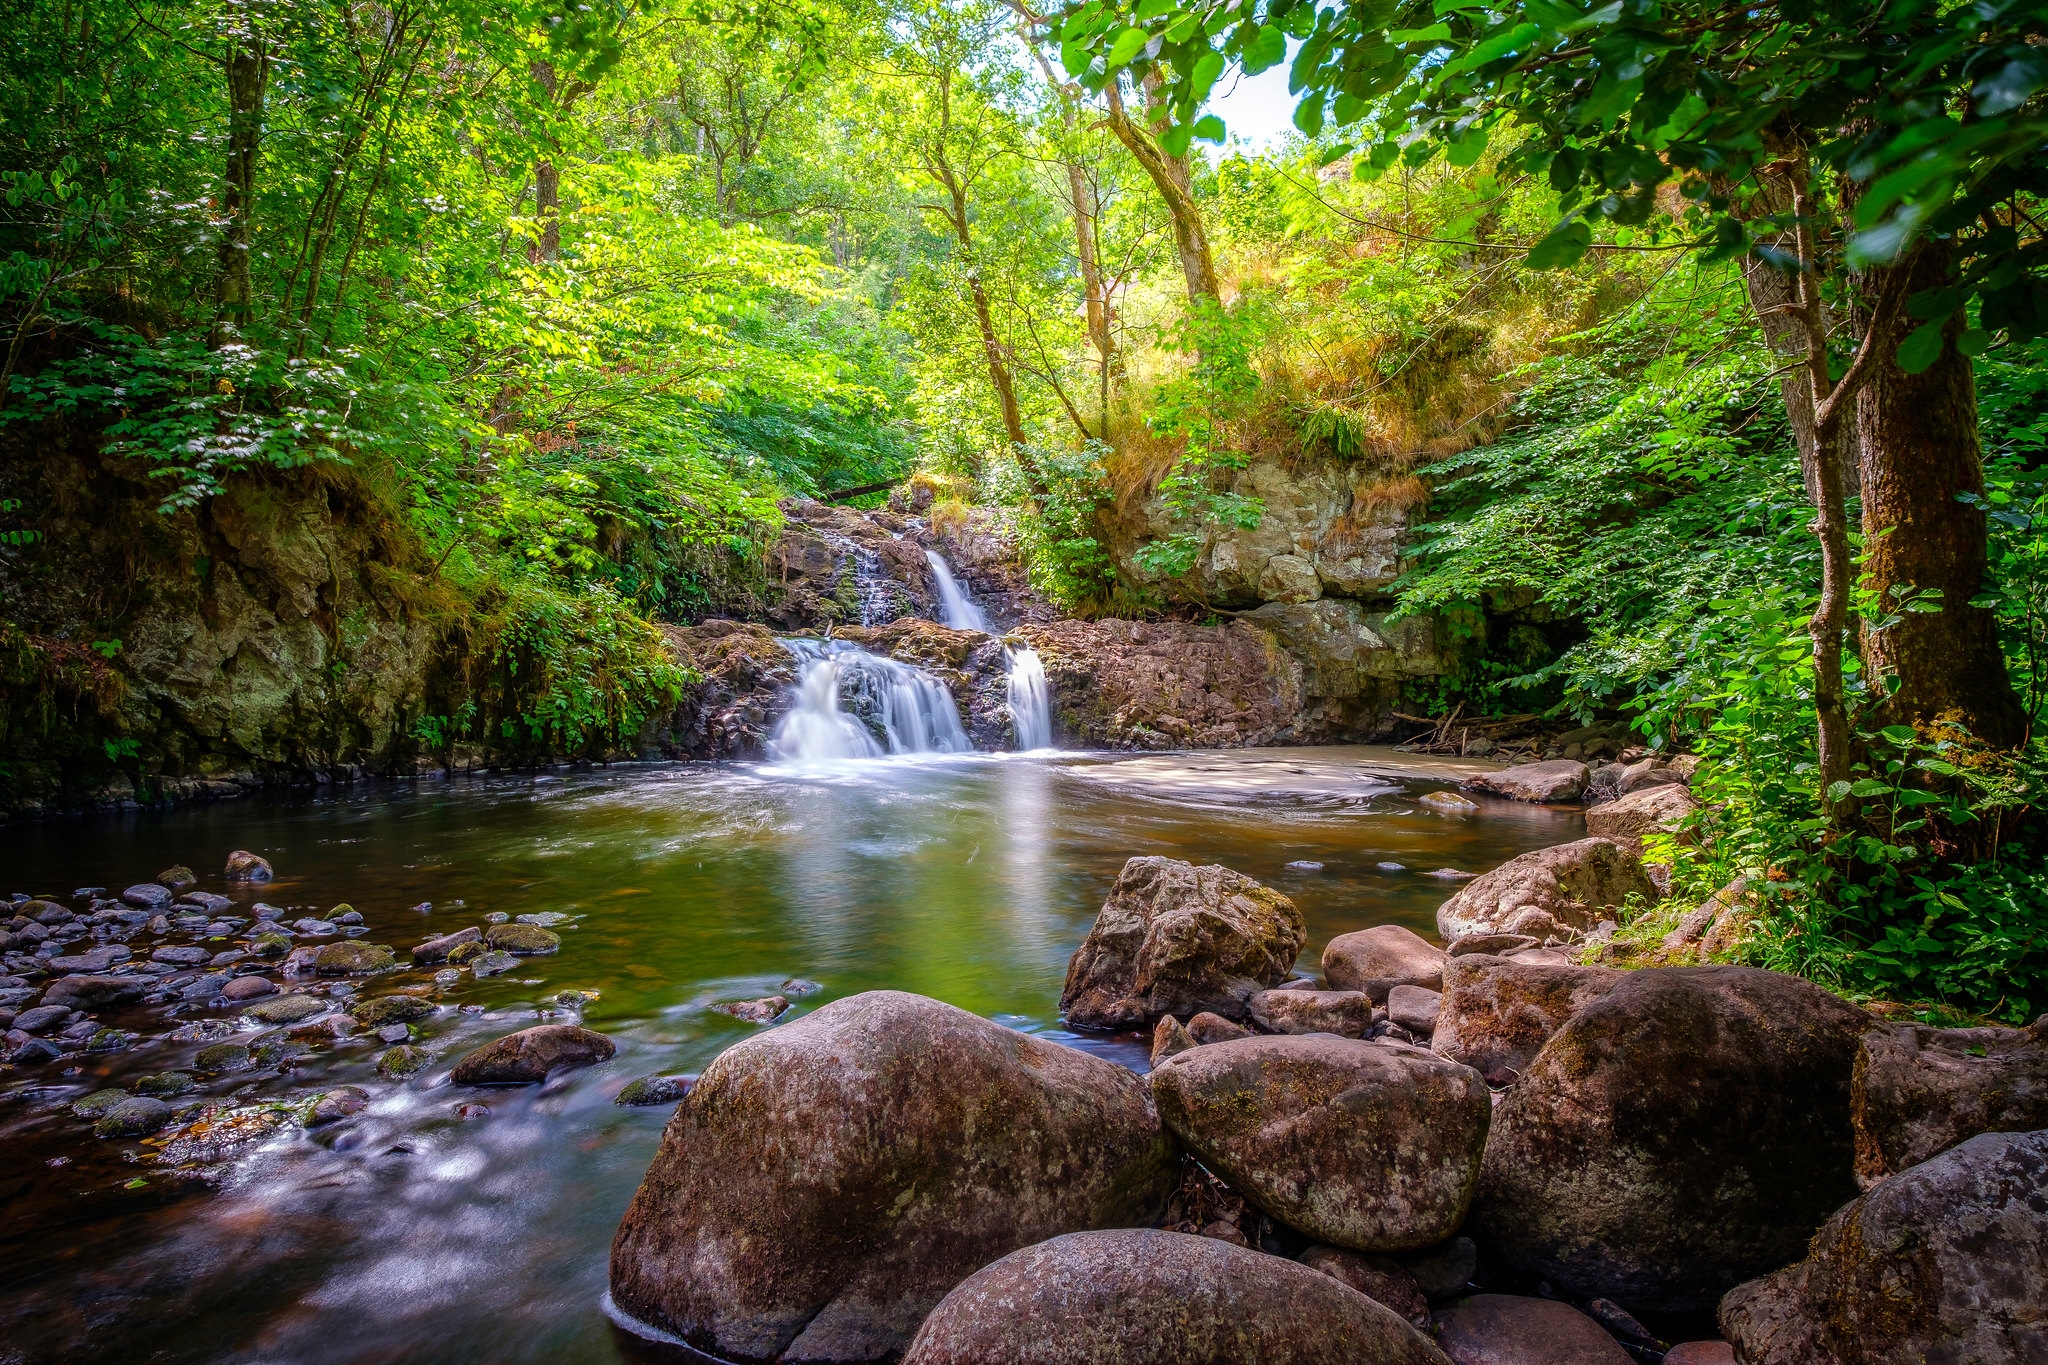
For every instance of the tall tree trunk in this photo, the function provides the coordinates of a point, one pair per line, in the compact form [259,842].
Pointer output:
[1920,452]
[248,71]
[1170,175]
[547,211]
[1085,209]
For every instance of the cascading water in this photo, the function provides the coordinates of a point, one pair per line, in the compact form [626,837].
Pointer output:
[1030,698]
[888,708]
[959,611]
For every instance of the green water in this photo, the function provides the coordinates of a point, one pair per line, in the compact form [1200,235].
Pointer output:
[409,1234]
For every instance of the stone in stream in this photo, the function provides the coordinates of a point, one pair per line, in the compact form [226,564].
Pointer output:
[284,1009]
[763,1011]
[42,1019]
[164,1084]
[1144,1297]
[437,949]
[1348,1014]
[209,901]
[95,1105]
[825,1183]
[1577,884]
[269,947]
[182,955]
[136,1116]
[1174,939]
[342,1102]
[1214,1028]
[1919,1091]
[249,988]
[523,939]
[1169,1036]
[179,878]
[1645,811]
[1378,959]
[244,866]
[390,1009]
[491,963]
[546,919]
[655,1090]
[1499,1012]
[352,959]
[95,992]
[222,1057]
[1450,803]
[396,1063]
[1414,1008]
[530,1055]
[148,896]
[1379,1278]
[1686,1131]
[1361,1145]
[1945,1261]
[1499,1329]
[1551,781]
[93,961]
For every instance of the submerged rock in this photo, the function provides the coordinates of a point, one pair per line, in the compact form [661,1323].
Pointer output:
[763,1011]
[244,866]
[95,1105]
[164,1084]
[1174,939]
[222,1057]
[1142,1297]
[491,963]
[1577,884]
[1561,779]
[655,1090]
[1920,1091]
[1682,1133]
[1499,1329]
[528,1056]
[1357,1144]
[1378,959]
[1945,1261]
[342,1102]
[390,1009]
[401,1061]
[825,1183]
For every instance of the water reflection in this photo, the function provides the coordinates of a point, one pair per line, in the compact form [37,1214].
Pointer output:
[410,1234]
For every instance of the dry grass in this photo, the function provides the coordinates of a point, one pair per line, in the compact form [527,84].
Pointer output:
[948,517]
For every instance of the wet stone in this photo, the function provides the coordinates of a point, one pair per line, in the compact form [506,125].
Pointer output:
[352,959]
[763,1011]
[796,985]
[399,1062]
[393,1033]
[493,964]
[42,1018]
[93,961]
[249,988]
[316,928]
[655,1090]
[135,1116]
[546,919]
[342,1102]
[285,1009]
[496,917]
[205,987]
[164,1084]
[182,956]
[177,878]
[244,866]
[95,1105]
[222,1057]
[390,1009]
[269,947]
[523,939]
[148,896]
[438,949]
[208,901]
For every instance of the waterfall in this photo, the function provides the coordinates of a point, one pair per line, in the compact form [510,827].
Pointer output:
[853,704]
[959,610]
[1030,698]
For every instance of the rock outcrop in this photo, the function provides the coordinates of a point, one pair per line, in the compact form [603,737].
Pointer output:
[1370,1146]
[1686,1131]
[1142,1297]
[1576,885]
[1628,818]
[825,1183]
[1920,1091]
[1945,1261]
[1177,939]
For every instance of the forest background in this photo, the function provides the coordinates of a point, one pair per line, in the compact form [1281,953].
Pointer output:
[577,294]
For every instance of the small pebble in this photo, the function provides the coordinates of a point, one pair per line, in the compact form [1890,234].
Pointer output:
[393,1033]
[447,978]
[496,917]
[423,907]
[1390,867]
[466,1112]
[1304,865]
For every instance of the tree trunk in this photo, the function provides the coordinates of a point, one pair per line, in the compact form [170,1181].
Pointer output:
[1091,266]
[547,205]
[1170,175]
[248,71]
[1920,451]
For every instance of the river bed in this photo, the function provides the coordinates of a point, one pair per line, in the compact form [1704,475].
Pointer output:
[411,1234]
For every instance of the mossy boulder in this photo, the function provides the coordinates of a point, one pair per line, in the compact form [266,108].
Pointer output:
[1178,939]
[351,958]
[95,1105]
[824,1184]
[284,1009]
[164,1084]
[135,1116]
[1685,1132]
[524,939]
[390,1009]
[1576,884]
[269,947]
[401,1061]
[222,1057]
[461,954]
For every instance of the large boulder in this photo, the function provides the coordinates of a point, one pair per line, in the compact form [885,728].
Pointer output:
[1642,811]
[1686,1131]
[532,1055]
[824,1184]
[1177,939]
[1364,1145]
[1920,1091]
[1378,959]
[1498,1012]
[1562,779]
[1140,1297]
[1947,1261]
[1577,884]
[1500,1329]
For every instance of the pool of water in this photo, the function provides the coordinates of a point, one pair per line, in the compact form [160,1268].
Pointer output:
[411,1234]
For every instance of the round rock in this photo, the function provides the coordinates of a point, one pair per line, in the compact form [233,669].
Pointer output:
[824,1184]
[1378,959]
[1362,1145]
[529,1055]
[244,866]
[1140,1297]
[1499,1329]
[352,959]
[523,939]
[138,1116]
[284,1009]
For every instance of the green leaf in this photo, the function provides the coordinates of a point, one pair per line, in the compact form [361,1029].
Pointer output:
[1974,342]
[1922,348]
[1567,242]
[1837,790]
[1174,141]
[1128,44]
[1308,115]
[1209,128]
[1266,50]
[1870,786]
[1900,734]
[1467,149]
[1203,78]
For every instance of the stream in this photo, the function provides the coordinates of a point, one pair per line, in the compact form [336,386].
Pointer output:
[409,1233]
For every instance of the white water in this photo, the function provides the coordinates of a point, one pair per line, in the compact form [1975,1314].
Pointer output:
[961,611]
[1030,698]
[895,709]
